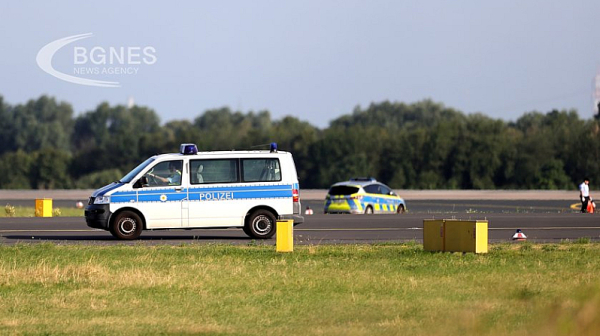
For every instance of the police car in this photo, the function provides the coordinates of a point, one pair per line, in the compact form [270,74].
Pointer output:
[191,189]
[363,195]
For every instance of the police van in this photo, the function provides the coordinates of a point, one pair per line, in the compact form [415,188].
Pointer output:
[200,190]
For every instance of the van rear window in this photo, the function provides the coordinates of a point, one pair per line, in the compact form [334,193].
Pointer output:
[261,170]
[343,190]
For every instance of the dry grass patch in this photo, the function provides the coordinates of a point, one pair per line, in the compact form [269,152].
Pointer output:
[330,290]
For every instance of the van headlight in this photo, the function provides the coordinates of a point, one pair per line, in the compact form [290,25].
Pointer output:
[102,200]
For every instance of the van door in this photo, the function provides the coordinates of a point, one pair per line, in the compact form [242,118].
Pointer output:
[162,200]
[213,186]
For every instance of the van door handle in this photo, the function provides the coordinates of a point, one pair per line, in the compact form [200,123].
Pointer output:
[178,189]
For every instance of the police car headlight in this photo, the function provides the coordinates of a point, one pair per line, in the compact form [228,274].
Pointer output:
[102,200]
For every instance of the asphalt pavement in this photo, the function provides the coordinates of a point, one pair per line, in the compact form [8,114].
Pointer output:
[541,221]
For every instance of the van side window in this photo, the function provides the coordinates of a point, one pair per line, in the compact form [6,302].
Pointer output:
[261,170]
[213,171]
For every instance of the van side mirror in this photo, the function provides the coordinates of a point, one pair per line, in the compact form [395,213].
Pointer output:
[143,181]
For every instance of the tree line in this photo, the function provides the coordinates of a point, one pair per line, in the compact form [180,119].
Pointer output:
[422,145]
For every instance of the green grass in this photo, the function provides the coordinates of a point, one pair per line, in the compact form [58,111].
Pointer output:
[387,289]
[19,211]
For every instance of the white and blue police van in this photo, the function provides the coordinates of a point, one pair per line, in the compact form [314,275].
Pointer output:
[200,190]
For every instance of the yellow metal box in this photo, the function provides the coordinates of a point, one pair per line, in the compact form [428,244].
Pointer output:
[285,236]
[43,207]
[433,235]
[466,236]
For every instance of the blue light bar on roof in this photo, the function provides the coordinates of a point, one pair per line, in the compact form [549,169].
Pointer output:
[188,149]
[273,147]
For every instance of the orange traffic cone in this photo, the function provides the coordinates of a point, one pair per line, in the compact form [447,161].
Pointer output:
[519,236]
[591,206]
[308,211]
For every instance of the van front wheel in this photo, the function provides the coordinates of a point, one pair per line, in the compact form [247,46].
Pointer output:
[127,225]
[260,224]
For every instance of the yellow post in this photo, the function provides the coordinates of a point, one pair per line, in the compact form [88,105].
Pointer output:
[285,236]
[43,207]
[433,235]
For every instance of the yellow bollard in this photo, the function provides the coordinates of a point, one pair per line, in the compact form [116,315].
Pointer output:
[285,236]
[43,207]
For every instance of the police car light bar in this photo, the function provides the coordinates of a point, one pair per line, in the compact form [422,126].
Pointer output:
[273,147]
[363,179]
[188,149]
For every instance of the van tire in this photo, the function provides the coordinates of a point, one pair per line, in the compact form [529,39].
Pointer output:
[369,210]
[127,225]
[260,224]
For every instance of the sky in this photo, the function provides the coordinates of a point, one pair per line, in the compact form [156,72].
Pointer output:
[315,60]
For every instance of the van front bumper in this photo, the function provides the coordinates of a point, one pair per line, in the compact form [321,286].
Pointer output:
[97,216]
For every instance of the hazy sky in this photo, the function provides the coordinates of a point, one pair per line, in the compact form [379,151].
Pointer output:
[315,60]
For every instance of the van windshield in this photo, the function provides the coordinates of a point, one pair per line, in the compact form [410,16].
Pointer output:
[127,178]
[343,190]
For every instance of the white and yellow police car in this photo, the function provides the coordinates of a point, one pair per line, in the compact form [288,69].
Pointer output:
[191,189]
[363,196]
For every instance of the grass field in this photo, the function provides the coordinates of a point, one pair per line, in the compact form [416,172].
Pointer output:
[19,211]
[391,289]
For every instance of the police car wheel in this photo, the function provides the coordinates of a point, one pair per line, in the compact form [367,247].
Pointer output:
[260,224]
[401,209]
[127,225]
[369,210]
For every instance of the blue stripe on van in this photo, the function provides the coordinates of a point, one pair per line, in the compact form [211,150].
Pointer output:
[240,192]
[204,194]
[122,198]
[170,195]
[233,195]
[242,188]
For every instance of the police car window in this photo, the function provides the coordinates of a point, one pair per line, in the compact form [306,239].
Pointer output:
[261,170]
[166,173]
[385,190]
[214,171]
[372,189]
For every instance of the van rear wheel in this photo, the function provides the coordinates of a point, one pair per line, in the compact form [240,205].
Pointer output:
[260,224]
[127,226]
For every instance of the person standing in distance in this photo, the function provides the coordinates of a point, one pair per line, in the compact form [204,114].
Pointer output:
[584,194]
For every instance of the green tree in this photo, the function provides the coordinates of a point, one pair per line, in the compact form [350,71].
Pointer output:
[115,137]
[38,123]
[16,170]
[98,179]
[50,169]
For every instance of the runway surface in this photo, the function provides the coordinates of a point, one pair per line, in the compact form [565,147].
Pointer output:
[541,221]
